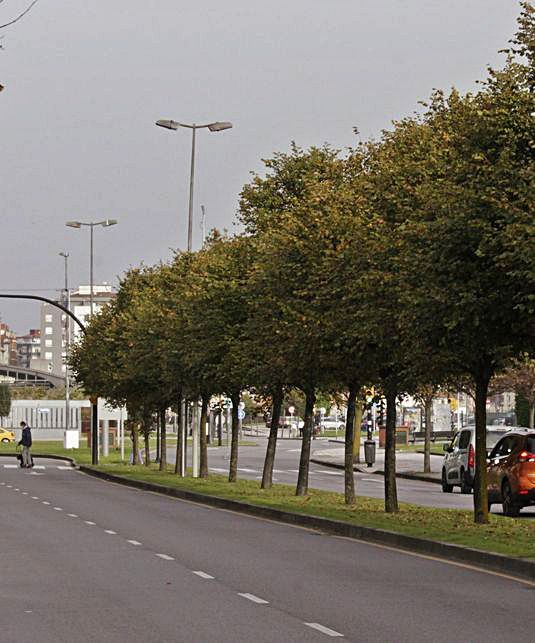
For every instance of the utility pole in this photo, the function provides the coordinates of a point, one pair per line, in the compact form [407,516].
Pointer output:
[203,224]
[67,304]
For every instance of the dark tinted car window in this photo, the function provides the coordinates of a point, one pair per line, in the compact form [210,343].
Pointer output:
[465,440]
[530,444]
[493,437]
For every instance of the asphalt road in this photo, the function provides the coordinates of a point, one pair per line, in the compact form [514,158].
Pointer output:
[86,560]
[251,463]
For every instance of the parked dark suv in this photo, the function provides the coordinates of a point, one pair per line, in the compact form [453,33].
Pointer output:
[511,472]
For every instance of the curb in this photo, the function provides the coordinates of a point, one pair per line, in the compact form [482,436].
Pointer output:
[407,476]
[65,458]
[517,567]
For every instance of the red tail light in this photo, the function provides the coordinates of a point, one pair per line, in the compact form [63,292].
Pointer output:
[471,456]
[526,456]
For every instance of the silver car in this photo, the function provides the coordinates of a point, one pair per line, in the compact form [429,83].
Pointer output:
[458,466]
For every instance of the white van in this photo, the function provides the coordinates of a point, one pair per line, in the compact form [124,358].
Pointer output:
[458,466]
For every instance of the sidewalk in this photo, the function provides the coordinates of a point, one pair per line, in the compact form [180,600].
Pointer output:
[408,465]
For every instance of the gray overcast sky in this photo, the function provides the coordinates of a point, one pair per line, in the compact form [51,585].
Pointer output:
[85,82]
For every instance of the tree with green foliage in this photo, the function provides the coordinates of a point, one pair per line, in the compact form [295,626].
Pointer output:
[5,400]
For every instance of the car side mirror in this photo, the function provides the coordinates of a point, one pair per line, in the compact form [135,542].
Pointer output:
[447,448]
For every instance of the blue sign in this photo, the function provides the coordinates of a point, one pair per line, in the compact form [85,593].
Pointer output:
[241,414]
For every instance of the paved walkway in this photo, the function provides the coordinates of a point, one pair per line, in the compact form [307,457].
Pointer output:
[408,464]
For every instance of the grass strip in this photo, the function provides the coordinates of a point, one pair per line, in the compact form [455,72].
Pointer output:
[509,536]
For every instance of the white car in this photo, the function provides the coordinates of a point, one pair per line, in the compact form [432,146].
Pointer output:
[458,466]
[331,423]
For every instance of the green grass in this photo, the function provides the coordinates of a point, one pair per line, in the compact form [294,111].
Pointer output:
[436,448]
[510,536]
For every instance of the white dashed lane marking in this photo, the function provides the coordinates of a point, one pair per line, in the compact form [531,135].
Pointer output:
[35,497]
[134,542]
[110,531]
[165,557]
[204,575]
[58,508]
[89,522]
[10,466]
[324,630]
[45,502]
[72,515]
[253,598]
[39,466]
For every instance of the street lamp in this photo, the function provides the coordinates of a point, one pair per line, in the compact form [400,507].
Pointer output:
[94,400]
[78,224]
[217,126]
[67,304]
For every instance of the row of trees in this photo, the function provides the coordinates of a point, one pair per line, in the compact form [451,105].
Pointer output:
[406,262]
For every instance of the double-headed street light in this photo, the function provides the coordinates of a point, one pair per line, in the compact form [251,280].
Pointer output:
[78,224]
[217,126]
[94,401]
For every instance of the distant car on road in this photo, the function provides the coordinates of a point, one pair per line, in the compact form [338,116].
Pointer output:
[6,436]
[458,466]
[511,472]
[331,423]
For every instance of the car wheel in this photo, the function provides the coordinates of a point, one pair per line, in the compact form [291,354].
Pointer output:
[466,487]
[5,440]
[510,508]
[446,488]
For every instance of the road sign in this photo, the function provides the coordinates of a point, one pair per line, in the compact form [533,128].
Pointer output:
[241,414]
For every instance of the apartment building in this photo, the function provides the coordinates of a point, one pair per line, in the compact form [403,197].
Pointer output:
[57,327]
[8,346]
[29,347]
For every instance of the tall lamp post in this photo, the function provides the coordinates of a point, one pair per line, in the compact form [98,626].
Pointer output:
[67,304]
[94,400]
[217,126]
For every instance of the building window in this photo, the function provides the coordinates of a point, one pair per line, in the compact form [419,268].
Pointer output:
[48,318]
[48,330]
[48,355]
[48,342]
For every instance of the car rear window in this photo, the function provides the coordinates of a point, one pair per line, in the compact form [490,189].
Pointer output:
[465,440]
[530,446]
[493,437]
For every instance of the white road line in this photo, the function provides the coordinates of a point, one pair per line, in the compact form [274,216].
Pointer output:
[89,522]
[203,575]
[134,542]
[110,531]
[323,629]
[10,466]
[293,450]
[9,486]
[63,468]
[218,469]
[247,470]
[165,556]
[372,480]
[16,489]
[2,483]
[24,493]
[254,599]
[293,470]
[35,497]
[72,515]
[45,502]
[39,466]
[58,508]
[333,473]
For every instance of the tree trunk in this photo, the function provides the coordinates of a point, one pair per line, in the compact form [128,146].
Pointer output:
[269,462]
[205,399]
[146,437]
[158,443]
[349,478]
[219,417]
[359,412]
[428,408]
[135,442]
[481,509]
[302,478]
[178,454]
[163,442]
[233,467]
[391,493]
[532,415]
